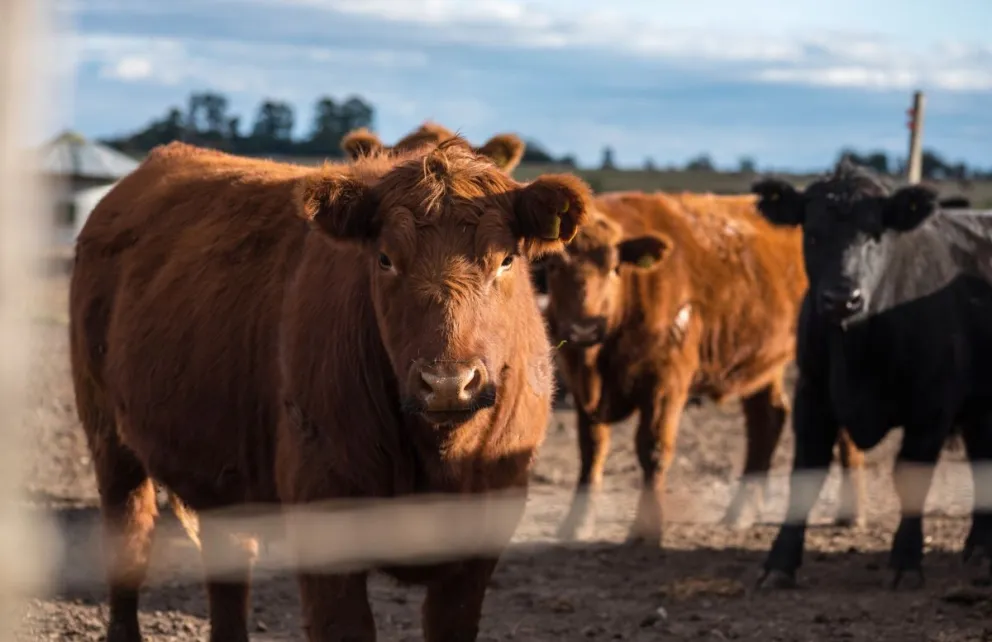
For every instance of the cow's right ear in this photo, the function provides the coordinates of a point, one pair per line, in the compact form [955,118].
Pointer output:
[644,252]
[506,150]
[547,212]
[360,142]
[779,202]
[342,207]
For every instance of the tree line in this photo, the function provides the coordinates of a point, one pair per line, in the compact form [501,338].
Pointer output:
[207,120]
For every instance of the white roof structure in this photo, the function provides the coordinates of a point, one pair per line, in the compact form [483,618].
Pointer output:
[72,155]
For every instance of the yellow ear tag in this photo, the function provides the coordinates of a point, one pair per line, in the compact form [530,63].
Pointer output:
[564,208]
[645,261]
[554,229]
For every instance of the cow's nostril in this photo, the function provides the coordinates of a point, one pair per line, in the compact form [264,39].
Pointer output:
[474,382]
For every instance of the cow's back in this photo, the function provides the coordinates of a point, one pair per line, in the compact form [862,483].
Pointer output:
[740,278]
[174,302]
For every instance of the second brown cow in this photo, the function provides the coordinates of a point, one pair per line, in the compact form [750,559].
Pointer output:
[664,298]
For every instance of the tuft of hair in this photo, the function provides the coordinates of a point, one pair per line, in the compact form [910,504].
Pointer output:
[429,133]
[853,178]
[361,142]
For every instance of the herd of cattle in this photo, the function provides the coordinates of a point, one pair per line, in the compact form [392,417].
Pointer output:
[247,331]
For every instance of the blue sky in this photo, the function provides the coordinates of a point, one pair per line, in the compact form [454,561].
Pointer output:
[788,82]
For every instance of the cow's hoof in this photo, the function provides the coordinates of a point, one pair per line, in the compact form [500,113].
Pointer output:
[847,521]
[910,579]
[775,579]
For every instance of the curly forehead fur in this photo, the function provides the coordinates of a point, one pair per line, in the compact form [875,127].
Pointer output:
[427,180]
[849,181]
[597,233]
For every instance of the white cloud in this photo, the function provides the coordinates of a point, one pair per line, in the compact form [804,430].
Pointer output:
[227,65]
[865,60]
[131,68]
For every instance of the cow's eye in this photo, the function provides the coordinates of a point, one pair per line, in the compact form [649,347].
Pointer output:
[507,262]
[385,262]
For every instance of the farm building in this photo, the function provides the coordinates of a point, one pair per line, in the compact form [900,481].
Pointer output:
[81,171]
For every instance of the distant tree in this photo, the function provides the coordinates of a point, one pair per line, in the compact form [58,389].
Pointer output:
[607,162]
[325,132]
[355,113]
[273,129]
[649,165]
[206,118]
[701,163]
[747,165]
[568,160]
[534,152]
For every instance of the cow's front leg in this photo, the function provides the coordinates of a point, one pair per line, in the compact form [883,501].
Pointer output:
[815,431]
[657,431]
[336,608]
[912,475]
[594,444]
[453,605]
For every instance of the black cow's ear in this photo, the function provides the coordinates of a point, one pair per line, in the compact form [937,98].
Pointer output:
[909,207]
[779,202]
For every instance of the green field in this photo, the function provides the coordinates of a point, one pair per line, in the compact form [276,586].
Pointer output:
[979,192]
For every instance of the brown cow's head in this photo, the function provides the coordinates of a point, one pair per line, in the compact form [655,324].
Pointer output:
[585,287]
[448,239]
[505,150]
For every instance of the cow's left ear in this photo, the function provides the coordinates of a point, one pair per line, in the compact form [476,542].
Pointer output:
[506,150]
[342,207]
[779,202]
[909,207]
[547,212]
[646,252]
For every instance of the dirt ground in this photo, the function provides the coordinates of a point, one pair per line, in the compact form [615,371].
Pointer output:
[699,587]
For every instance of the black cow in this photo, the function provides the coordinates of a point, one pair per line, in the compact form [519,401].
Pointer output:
[895,330]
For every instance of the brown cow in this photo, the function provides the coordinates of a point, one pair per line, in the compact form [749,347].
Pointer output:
[664,298]
[250,331]
[506,150]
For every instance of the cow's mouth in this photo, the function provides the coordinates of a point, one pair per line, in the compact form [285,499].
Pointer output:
[451,415]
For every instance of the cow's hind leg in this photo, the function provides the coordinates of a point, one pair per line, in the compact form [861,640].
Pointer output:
[129,510]
[227,559]
[765,413]
[978,442]
[851,507]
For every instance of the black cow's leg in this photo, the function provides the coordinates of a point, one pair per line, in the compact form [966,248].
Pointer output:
[912,475]
[815,433]
[978,441]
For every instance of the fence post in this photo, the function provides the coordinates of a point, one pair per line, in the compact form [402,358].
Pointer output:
[23,207]
[914,164]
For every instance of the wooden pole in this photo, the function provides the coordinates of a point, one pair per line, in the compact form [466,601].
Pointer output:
[23,554]
[914,165]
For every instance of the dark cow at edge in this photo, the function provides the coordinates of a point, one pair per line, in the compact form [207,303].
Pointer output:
[665,297]
[249,331]
[895,330]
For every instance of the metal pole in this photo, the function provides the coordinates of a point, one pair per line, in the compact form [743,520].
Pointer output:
[22,208]
[914,165]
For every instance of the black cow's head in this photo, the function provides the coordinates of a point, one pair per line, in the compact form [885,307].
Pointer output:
[844,217]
